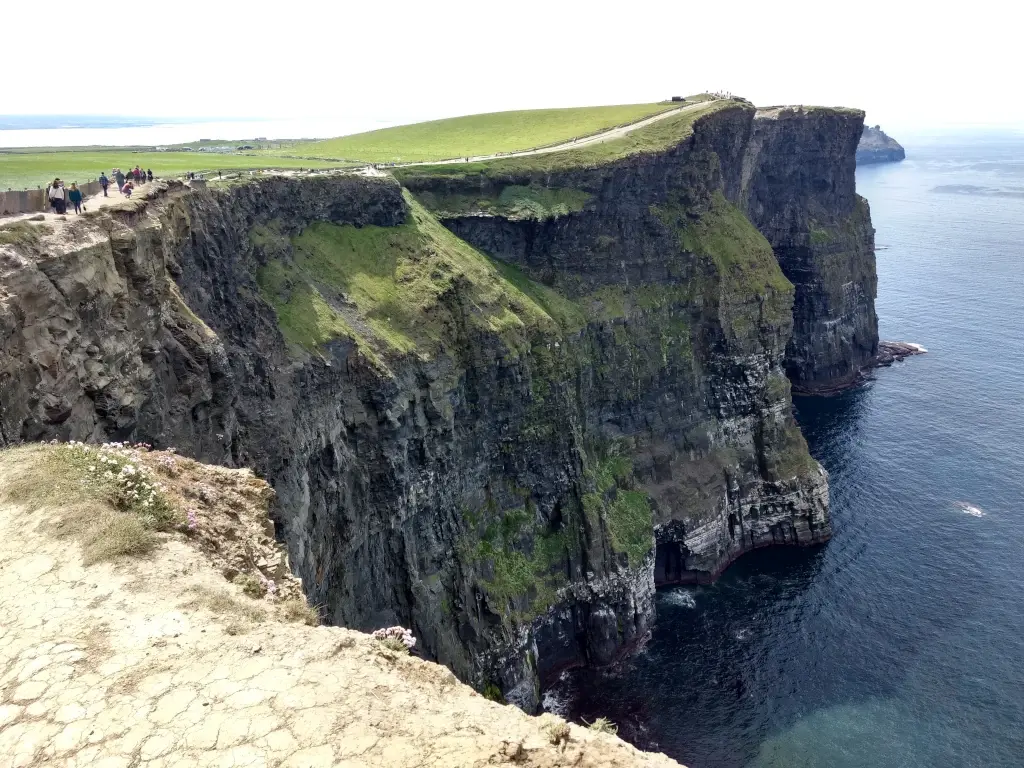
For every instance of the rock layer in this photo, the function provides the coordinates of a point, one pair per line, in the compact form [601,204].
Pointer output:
[608,414]
[799,190]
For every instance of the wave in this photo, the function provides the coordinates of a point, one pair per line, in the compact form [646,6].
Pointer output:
[681,598]
[969,509]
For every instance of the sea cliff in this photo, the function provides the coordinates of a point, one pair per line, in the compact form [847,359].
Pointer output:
[876,146]
[497,403]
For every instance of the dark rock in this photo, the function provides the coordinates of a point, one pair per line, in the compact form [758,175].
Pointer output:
[890,352]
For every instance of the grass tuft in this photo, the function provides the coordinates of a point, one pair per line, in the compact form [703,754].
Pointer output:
[299,611]
[23,233]
[106,498]
[558,732]
[604,725]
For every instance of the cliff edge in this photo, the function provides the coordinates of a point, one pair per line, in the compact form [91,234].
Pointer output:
[499,402]
[134,649]
[878,147]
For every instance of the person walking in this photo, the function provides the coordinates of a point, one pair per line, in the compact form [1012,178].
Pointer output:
[104,182]
[119,178]
[75,196]
[149,174]
[56,195]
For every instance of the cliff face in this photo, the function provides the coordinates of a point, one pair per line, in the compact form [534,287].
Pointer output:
[504,454]
[876,146]
[799,190]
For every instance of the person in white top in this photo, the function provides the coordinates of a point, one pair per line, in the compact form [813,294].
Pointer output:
[57,197]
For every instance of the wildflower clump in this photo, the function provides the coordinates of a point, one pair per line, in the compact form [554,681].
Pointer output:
[395,638]
[115,472]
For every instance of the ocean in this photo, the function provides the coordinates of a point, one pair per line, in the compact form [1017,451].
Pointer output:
[900,643]
[88,132]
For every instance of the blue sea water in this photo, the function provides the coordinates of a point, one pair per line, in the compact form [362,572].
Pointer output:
[900,644]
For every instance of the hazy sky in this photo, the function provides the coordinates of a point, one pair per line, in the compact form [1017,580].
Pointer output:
[908,64]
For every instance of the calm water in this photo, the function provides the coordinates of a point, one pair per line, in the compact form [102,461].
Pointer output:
[183,132]
[901,642]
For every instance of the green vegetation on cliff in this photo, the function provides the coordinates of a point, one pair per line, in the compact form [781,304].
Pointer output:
[472,135]
[743,256]
[397,289]
[626,512]
[514,202]
[521,562]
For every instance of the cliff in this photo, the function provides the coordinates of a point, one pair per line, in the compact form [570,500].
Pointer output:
[498,405]
[877,147]
[150,656]
[799,190]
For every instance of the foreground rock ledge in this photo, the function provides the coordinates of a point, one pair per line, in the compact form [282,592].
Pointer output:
[108,666]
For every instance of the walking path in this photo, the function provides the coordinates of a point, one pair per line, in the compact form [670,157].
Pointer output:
[88,203]
[597,138]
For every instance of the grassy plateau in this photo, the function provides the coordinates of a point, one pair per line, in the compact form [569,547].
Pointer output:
[475,134]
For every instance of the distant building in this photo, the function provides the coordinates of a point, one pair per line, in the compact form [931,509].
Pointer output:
[678,98]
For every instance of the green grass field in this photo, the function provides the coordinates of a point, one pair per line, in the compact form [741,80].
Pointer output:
[475,134]
[32,169]
[655,137]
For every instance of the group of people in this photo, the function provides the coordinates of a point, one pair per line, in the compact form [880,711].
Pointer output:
[126,182]
[60,197]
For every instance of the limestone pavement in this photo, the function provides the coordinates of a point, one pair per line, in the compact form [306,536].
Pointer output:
[120,665]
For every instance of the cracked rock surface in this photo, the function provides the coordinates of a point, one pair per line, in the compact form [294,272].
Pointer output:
[117,665]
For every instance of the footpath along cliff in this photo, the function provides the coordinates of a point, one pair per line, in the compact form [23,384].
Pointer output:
[498,402]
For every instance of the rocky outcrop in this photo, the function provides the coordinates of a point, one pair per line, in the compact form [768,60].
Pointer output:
[877,147]
[799,190]
[159,660]
[506,455]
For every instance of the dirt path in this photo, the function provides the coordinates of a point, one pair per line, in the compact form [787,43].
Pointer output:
[89,204]
[117,666]
[597,138]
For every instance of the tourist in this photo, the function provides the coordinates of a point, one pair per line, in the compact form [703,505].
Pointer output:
[136,174]
[104,182]
[126,190]
[149,174]
[119,178]
[56,195]
[75,196]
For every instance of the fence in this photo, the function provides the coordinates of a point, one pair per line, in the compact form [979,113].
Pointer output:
[31,200]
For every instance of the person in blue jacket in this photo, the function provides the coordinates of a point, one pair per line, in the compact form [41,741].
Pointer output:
[75,197]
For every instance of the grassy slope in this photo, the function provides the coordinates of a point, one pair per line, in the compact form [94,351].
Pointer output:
[655,137]
[390,288]
[476,134]
[19,170]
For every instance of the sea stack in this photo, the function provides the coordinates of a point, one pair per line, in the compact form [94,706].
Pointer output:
[878,147]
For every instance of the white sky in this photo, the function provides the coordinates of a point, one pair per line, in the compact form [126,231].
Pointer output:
[909,64]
